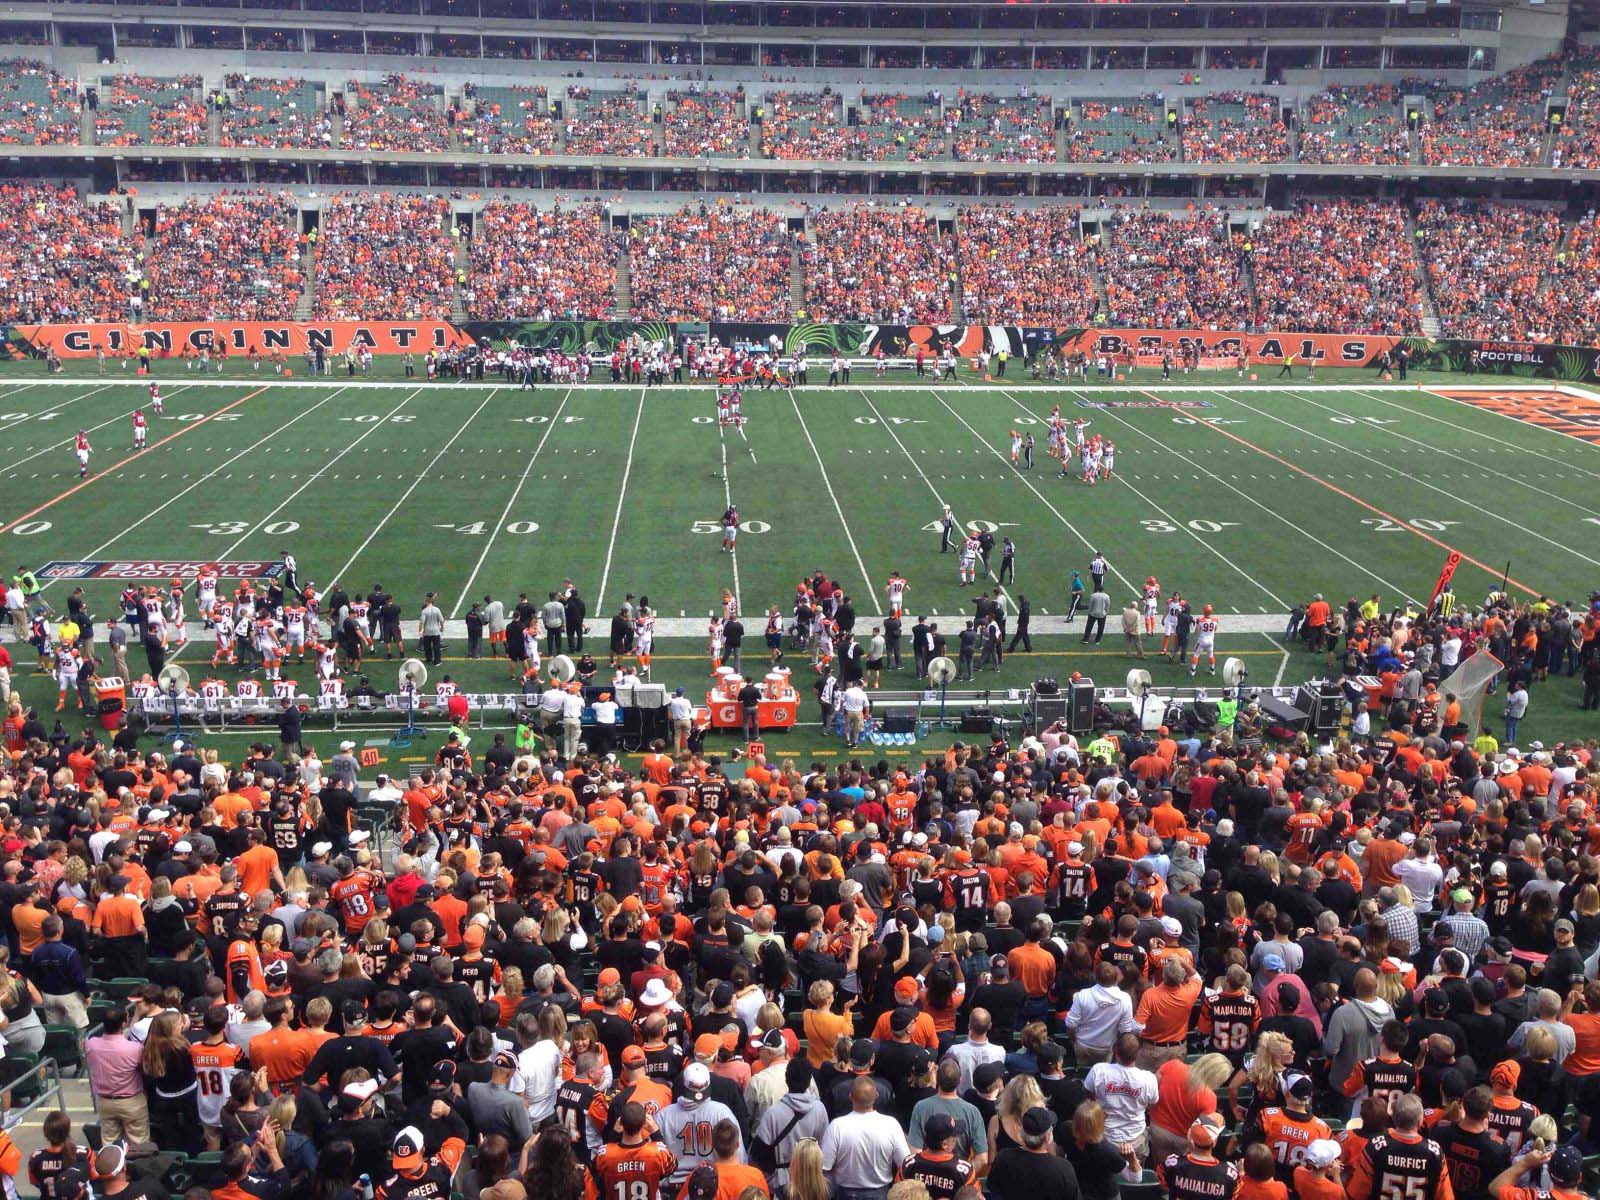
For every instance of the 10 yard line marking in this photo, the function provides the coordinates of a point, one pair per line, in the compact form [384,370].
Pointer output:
[317,474]
[877,607]
[406,495]
[622,496]
[878,416]
[506,512]
[162,507]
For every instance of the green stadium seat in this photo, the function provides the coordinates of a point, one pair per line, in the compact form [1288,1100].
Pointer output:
[62,1043]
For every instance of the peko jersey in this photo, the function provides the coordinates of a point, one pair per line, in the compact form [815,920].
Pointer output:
[214,1069]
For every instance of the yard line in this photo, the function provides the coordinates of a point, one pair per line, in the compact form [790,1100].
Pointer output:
[317,474]
[879,417]
[406,495]
[506,512]
[877,607]
[117,466]
[1416,412]
[1027,483]
[1184,525]
[1488,512]
[68,441]
[304,412]
[622,495]
[727,492]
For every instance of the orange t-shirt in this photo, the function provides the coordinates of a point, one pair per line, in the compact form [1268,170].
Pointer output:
[29,920]
[1177,1108]
[1260,1189]
[284,1052]
[1310,1186]
[255,869]
[1033,967]
[823,1028]
[733,1178]
[1585,1056]
[1164,1012]
[119,916]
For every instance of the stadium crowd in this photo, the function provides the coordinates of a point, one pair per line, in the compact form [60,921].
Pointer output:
[1234,127]
[1486,268]
[1126,131]
[279,113]
[1208,961]
[873,262]
[38,106]
[1010,129]
[718,261]
[398,113]
[801,125]
[1025,266]
[225,257]
[705,124]
[1497,123]
[613,123]
[380,255]
[139,110]
[1173,272]
[62,259]
[546,264]
[1336,265]
[512,120]
[1355,123]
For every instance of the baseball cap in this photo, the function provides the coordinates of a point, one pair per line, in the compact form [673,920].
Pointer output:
[773,1039]
[900,1020]
[444,1074]
[1037,1121]
[408,1149]
[1206,1129]
[862,1052]
[632,1056]
[608,977]
[360,1091]
[707,1045]
[1567,1166]
[702,1184]
[354,1013]
[109,1161]
[473,935]
[722,995]
[987,1075]
[905,988]
[1299,1086]
[696,1081]
[1272,962]
[1171,927]
[938,1127]
[1564,926]
[1323,1152]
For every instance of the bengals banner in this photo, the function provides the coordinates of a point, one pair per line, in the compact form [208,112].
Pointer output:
[170,339]
[1224,347]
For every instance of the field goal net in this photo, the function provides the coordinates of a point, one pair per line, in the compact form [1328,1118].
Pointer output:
[1470,684]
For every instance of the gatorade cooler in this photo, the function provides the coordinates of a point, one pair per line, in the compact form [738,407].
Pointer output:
[111,697]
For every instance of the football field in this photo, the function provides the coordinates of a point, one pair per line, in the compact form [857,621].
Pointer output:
[1249,497]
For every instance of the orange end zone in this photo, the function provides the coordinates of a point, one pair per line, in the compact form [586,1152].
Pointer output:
[1575,416]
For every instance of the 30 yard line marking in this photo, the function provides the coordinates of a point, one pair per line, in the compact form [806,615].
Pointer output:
[622,495]
[878,416]
[83,483]
[211,474]
[317,474]
[1027,483]
[549,428]
[406,495]
[1488,512]
[877,605]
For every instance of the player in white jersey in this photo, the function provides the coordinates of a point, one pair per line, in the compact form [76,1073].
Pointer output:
[1151,604]
[140,428]
[175,612]
[823,651]
[967,562]
[205,594]
[157,401]
[82,449]
[1108,459]
[222,625]
[67,666]
[327,661]
[1086,457]
[1016,446]
[714,643]
[1205,641]
[268,646]
[897,589]
[1169,623]
[294,631]
[644,640]
[1078,427]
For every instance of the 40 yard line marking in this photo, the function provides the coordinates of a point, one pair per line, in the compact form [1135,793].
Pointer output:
[506,512]
[406,495]
[162,507]
[622,495]
[877,606]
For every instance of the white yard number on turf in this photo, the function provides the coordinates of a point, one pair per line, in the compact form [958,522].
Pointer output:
[891,420]
[29,528]
[1199,525]
[744,527]
[374,418]
[478,528]
[1384,525]
[983,526]
[234,528]
[1359,421]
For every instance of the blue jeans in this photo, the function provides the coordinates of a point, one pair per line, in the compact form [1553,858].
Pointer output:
[845,1193]
[1511,730]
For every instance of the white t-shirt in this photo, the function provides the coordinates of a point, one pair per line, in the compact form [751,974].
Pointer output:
[1125,1093]
[854,699]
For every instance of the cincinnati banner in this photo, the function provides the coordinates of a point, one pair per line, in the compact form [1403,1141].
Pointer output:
[174,339]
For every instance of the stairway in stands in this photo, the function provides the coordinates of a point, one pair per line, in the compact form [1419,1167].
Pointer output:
[462,270]
[308,292]
[797,278]
[1430,312]
[624,288]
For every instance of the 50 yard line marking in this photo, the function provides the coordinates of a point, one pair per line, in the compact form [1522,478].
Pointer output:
[506,512]
[622,496]
[406,495]
[216,470]
[916,466]
[877,606]
[116,466]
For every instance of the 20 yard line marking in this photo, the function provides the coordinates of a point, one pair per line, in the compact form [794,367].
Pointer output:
[506,512]
[877,606]
[211,474]
[317,474]
[622,496]
[406,495]
[117,466]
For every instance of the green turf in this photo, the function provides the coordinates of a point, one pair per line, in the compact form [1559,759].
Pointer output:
[1250,505]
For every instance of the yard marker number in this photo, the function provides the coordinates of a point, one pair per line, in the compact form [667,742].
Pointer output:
[541,419]
[982,526]
[1361,421]
[233,528]
[891,420]
[1198,524]
[744,527]
[29,528]
[1384,525]
[374,418]
[479,528]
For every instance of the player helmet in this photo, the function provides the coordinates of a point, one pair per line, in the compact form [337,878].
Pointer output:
[1150,581]
[1206,611]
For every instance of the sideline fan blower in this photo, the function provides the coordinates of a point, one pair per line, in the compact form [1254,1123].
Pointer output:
[413,674]
[941,671]
[1139,686]
[563,669]
[1234,673]
[174,680]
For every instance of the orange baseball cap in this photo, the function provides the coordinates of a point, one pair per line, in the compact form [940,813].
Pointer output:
[473,936]
[632,1056]
[707,1045]
[905,988]
[609,976]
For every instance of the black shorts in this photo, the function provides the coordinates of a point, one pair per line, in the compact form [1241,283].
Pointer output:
[874,664]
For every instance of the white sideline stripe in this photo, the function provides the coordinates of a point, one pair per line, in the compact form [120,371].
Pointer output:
[872,592]
[1130,389]
[549,428]
[406,495]
[216,470]
[1269,625]
[727,494]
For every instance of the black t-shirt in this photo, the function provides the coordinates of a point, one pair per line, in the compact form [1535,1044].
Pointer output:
[1098,1166]
[1474,1158]
[1020,1173]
